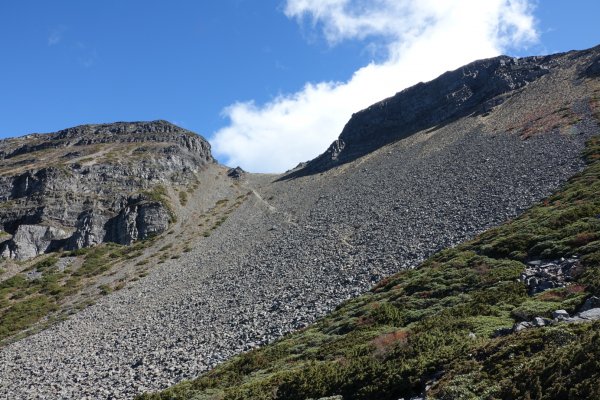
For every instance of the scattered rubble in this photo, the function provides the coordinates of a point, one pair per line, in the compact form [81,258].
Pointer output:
[541,275]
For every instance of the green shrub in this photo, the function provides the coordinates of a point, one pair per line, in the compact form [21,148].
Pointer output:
[23,314]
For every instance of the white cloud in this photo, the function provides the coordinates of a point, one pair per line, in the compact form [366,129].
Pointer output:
[56,35]
[423,39]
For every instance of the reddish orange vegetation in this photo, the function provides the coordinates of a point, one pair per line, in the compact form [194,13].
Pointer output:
[561,294]
[382,283]
[553,116]
[583,238]
[594,157]
[482,269]
[544,123]
[576,288]
[342,361]
[365,321]
[386,341]
[553,295]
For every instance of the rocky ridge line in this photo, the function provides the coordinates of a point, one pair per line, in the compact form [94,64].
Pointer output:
[474,89]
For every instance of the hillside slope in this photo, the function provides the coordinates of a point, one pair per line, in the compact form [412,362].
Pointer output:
[455,327]
[269,255]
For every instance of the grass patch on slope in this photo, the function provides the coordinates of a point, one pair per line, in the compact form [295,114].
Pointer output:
[159,194]
[435,324]
[28,300]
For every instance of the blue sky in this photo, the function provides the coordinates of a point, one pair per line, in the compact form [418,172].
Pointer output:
[270,82]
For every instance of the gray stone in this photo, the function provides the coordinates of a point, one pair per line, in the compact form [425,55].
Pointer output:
[541,275]
[236,173]
[560,315]
[592,315]
[519,326]
[32,240]
[33,275]
[502,332]
[140,219]
[90,230]
[591,302]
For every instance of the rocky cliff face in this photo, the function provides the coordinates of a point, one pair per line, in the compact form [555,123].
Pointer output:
[93,183]
[474,89]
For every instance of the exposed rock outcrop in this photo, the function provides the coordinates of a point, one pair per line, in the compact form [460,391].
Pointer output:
[235,173]
[32,240]
[90,230]
[87,179]
[541,275]
[140,219]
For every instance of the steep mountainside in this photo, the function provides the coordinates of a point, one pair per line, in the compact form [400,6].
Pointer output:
[91,184]
[261,255]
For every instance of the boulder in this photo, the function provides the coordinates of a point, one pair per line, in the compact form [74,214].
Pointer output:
[235,173]
[522,326]
[502,332]
[590,315]
[539,322]
[560,315]
[592,302]
[32,240]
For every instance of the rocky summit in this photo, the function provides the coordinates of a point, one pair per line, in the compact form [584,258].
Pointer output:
[90,184]
[133,261]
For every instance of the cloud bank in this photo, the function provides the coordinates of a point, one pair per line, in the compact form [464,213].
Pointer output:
[421,40]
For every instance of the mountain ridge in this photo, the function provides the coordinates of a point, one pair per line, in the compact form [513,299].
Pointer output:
[475,88]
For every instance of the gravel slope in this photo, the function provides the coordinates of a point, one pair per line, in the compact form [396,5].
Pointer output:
[295,249]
